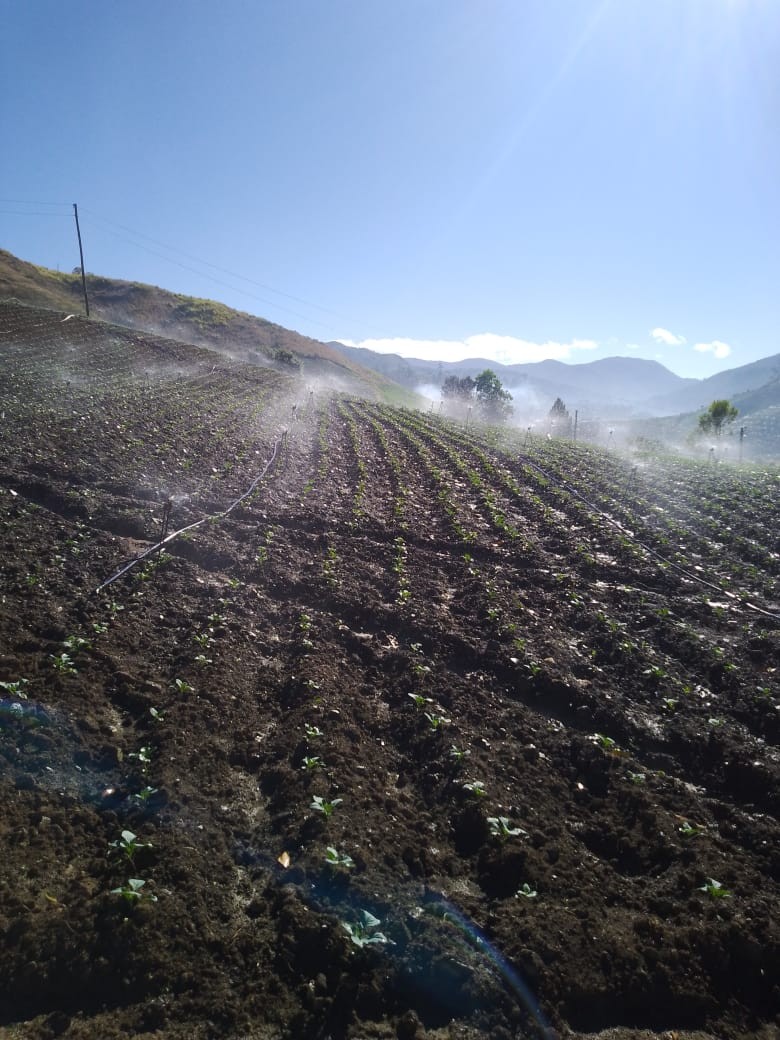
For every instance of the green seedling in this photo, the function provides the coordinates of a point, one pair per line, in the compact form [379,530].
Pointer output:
[605,743]
[715,890]
[204,640]
[475,787]
[319,804]
[133,891]
[129,845]
[637,778]
[75,643]
[334,858]
[63,663]
[201,660]
[363,932]
[182,686]
[216,619]
[500,828]
[16,689]
[312,732]
[436,721]
[99,627]
[459,754]
[688,830]
[419,700]
[157,715]
[312,762]
[143,796]
[143,754]
[526,892]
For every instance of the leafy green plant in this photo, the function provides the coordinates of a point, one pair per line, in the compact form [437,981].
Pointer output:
[143,755]
[419,700]
[128,844]
[157,715]
[143,796]
[182,686]
[133,891]
[64,664]
[334,858]
[459,755]
[16,689]
[320,804]
[76,643]
[500,828]
[363,932]
[475,787]
[688,830]
[436,721]
[715,890]
[312,732]
[526,892]
[312,762]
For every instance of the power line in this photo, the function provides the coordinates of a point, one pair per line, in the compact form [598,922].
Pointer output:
[31,213]
[222,270]
[27,202]
[216,281]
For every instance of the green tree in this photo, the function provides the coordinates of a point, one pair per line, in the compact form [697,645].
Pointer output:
[718,415]
[458,389]
[492,398]
[560,420]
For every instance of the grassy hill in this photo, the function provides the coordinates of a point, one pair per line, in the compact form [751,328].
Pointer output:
[190,319]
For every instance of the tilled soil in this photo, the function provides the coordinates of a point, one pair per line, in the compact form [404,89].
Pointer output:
[431,735]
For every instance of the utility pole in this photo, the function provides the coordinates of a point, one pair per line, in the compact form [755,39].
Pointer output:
[81,254]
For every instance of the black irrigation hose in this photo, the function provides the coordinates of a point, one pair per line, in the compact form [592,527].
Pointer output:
[648,549]
[213,516]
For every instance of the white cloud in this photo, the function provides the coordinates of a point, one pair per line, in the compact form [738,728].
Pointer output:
[507,350]
[717,347]
[670,339]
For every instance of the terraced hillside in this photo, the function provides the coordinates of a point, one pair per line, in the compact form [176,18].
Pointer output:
[416,731]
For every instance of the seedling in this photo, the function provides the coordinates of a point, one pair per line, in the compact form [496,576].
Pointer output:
[636,778]
[419,700]
[63,663]
[133,892]
[143,796]
[99,627]
[182,686]
[526,892]
[475,787]
[319,804]
[436,721]
[312,732]
[605,743]
[201,660]
[459,754]
[715,890]
[362,932]
[688,830]
[143,754]
[334,858]
[500,828]
[16,689]
[312,762]
[129,845]
[157,715]
[75,643]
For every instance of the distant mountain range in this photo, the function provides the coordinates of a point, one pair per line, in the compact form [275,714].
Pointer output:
[617,387]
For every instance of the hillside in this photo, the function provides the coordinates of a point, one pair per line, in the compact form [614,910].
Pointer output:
[610,388]
[406,730]
[190,320]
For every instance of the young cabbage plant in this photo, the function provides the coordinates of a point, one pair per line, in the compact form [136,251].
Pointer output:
[334,858]
[363,932]
[133,891]
[320,804]
[128,844]
[500,828]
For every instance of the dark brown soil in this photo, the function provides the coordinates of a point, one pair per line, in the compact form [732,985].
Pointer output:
[411,623]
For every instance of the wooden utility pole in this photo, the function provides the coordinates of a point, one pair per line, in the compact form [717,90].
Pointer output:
[81,254]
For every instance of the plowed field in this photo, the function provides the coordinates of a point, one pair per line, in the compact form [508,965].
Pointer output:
[438,732]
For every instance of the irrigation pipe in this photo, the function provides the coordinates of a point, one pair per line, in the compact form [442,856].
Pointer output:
[190,527]
[648,549]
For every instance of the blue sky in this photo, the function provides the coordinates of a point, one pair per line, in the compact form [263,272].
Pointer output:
[514,179]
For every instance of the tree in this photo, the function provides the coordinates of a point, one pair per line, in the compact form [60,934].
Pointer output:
[560,420]
[492,398]
[718,415]
[458,389]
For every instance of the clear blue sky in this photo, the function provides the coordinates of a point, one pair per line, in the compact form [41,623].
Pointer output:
[517,179]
